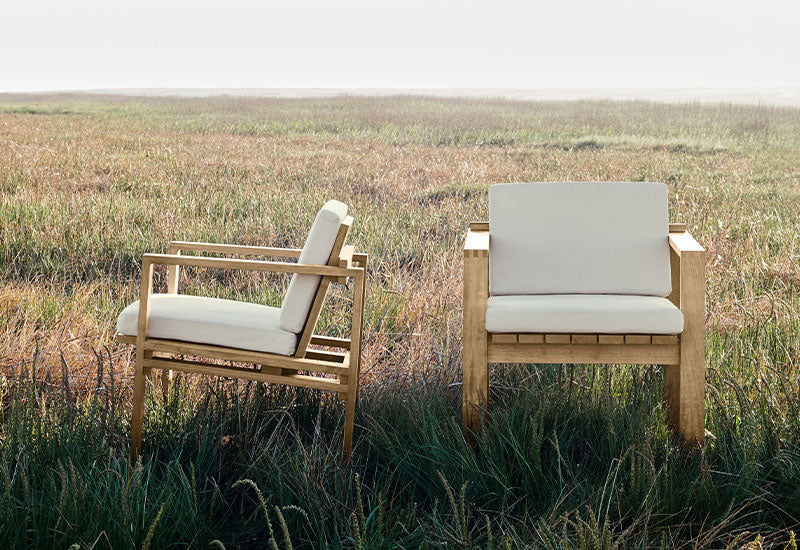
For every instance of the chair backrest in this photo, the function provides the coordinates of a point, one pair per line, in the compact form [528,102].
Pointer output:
[579,238]
[320,244]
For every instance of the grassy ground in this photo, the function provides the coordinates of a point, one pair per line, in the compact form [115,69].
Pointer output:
[574,457]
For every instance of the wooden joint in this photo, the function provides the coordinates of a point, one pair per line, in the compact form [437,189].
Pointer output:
[678,227]
[479,226]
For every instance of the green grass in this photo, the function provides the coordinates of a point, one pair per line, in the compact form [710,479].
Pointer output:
[575,457]
[571,457]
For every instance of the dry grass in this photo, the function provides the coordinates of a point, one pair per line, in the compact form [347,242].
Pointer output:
[90,183]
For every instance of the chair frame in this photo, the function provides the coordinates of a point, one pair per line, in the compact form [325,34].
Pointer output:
[342,367]
[683,355]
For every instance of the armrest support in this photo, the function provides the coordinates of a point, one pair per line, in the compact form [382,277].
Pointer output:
[145,290]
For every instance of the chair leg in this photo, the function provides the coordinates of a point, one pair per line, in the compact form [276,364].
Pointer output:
[475,383]
[137,416]
[685,393]
[349,421]
[475,374]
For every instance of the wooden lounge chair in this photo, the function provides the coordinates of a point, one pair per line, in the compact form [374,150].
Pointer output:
[164,327]
[585,273]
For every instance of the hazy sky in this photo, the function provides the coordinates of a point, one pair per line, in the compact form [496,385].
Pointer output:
[85,44]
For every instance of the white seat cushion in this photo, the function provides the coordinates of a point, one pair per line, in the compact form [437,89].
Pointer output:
[583,313]
[212,321]
[317,250]
[579,238]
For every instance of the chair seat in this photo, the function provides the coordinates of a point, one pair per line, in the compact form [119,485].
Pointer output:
[213,321]
[583,313]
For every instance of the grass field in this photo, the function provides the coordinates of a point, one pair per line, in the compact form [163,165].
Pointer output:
[574,456]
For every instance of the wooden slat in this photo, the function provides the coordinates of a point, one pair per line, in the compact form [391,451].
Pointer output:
[243,356]
[611,338]
[125,338]
[504,338]
[584,338]
[665,339]
[556,339]
[479,226]
[249,265]
[677,227]
[531,338]
[330,341]
[637,339]
[237,249]
[331,356]
[584,353]
[197,367]
[317,340]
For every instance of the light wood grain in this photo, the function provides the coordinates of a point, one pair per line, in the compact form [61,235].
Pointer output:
[664,339]
[177,347]
[481,226]
[639,339]
[686,382]
[251,265]
[475,384]
[235,249]
[197,367]
[329,341]
[677,227]
[584,353]
[684,242]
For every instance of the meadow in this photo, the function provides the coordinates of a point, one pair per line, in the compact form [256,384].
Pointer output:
[575,457]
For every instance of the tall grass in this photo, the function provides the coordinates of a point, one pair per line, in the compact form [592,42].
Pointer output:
[570,457]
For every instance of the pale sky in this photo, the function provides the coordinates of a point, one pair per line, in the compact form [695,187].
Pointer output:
[89,44]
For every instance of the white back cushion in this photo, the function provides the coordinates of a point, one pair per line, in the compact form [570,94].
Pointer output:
[579,238]
[317,250]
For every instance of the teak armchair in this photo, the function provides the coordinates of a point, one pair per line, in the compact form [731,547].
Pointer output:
[585,273]
[276,341]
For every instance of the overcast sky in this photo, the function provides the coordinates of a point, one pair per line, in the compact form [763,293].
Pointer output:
[85,44]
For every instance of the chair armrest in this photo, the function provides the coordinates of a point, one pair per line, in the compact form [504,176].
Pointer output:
[683,242]
[249,265]
[242,250]
[476,245]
